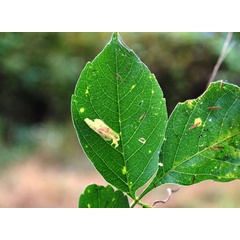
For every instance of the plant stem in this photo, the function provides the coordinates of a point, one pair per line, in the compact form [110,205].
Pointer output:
[144,205]
[134,203]
[222,56]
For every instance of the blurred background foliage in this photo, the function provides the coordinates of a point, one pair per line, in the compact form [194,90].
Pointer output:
[38,73]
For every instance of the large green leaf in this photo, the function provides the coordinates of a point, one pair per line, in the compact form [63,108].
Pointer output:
[119,114]
[202,139]
[102,197]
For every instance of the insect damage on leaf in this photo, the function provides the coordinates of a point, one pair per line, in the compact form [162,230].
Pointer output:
[197,122]
[214,108]
[103,130]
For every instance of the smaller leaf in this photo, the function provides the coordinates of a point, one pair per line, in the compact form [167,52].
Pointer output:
[202,140]
[96,196]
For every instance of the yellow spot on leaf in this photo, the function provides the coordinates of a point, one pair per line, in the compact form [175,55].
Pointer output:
[89,205]
[124,170]
[190,103]
[82,110]
[198,120]
[86,92]
[133,86]
[230,175]
[197,123]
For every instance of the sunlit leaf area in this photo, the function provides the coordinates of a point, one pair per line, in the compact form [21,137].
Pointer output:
[41,161]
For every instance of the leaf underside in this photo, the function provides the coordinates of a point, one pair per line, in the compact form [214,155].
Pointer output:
[202,139]
[118,90]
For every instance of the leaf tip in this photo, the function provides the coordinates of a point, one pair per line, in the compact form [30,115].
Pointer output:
[115,36]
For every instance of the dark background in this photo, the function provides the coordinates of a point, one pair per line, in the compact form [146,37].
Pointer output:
[41,162]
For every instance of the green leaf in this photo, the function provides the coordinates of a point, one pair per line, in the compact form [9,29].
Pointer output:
[119,114]
[202,139]
[102,197]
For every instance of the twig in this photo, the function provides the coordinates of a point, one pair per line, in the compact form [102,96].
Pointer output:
[170,192]
[224,53]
